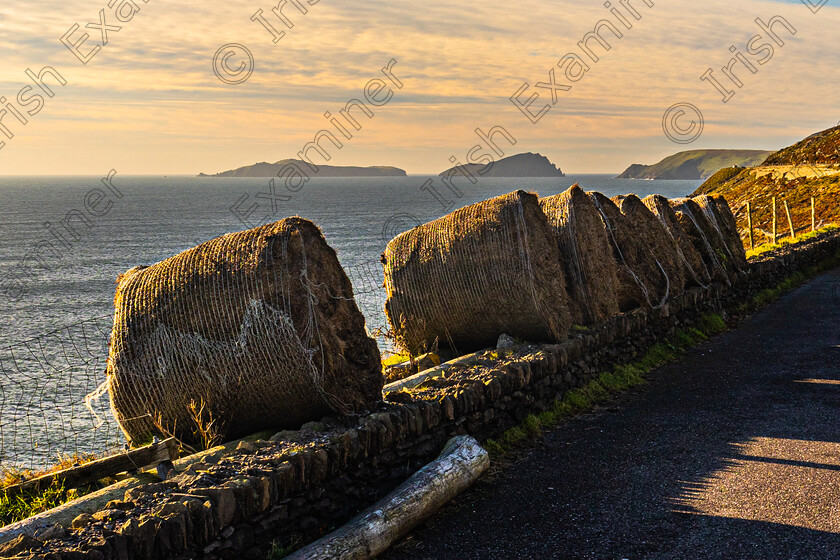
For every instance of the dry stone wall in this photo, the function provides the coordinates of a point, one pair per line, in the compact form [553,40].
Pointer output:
[298,485]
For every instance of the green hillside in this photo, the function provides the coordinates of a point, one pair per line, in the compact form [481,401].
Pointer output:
[810,168]
[820,148]
[695,164]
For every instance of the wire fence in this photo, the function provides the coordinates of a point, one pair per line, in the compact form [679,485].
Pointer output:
[44,383]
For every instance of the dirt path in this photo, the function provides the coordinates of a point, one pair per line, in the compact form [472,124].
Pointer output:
[732,453]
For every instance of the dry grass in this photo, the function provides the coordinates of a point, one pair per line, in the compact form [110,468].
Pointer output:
[33,502]
[697,272]
[462,280]
[395,359]
[586,255]
[232,321]
[761,249]
[12,476]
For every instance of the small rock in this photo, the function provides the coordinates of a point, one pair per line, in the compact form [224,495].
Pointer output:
[141,530]
[109,515]
[52,532]
[505,341]
[284,435]
[213,458]
[119,504]
[81,521]
[22,543]
[246,447]
[170,509]
[426,361]
[186,479]
[313,427]
[133,494]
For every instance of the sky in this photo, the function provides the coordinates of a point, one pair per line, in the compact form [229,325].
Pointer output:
[149,101]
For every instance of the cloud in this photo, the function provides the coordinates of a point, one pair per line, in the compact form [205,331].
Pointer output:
[151,89]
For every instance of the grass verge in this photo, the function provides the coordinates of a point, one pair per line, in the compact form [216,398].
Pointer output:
[394,359]
[25,505]
[620,379]
[789,241]
[627,376]
[769,295]
[32,503]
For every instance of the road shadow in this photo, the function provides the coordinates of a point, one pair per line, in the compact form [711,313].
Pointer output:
[734,452]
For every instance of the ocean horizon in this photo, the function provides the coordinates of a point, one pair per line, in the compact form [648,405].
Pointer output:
[54,274]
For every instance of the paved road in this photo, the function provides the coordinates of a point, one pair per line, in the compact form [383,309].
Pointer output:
[732,453]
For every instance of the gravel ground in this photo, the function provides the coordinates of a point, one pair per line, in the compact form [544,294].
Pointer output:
[734,452]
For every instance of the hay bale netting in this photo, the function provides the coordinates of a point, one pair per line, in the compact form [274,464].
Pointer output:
[260,326]
[705,238]
[483,270]
[642,282]
[591,271]
[721,217]
[661,247]
[696,272]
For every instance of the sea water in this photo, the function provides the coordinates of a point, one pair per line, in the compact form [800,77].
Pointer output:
[54,325]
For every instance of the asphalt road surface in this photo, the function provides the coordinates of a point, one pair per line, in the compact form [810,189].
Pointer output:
[734,452]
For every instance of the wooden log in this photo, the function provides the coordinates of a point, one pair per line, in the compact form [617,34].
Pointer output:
[750,225]
[148,456]
[432,373]
[790,222]
[64,514]
[370,533]
[775,237]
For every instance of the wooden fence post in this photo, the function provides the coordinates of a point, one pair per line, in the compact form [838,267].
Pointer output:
[150,455]
[790,222]
[813,215]
[749,225]
[775,237]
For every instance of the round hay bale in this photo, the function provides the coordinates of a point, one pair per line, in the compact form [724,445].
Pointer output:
[591,271]
[667,273]
[642,282]
[721,217]
[705,238]
[697,273]
[483,270]
[260,327]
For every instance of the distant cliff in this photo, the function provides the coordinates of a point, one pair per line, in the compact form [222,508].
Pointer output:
[695,164]
[265,169]
[520,165]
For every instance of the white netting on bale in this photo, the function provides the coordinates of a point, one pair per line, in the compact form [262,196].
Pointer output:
[650,251]
[483,270]
[720,216]
[259,326]
[637,270]
[591,271]
[705,237]
[696,272]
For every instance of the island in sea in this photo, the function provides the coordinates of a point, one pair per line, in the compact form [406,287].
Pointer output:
[695,164]
[519,165]
[278,168]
